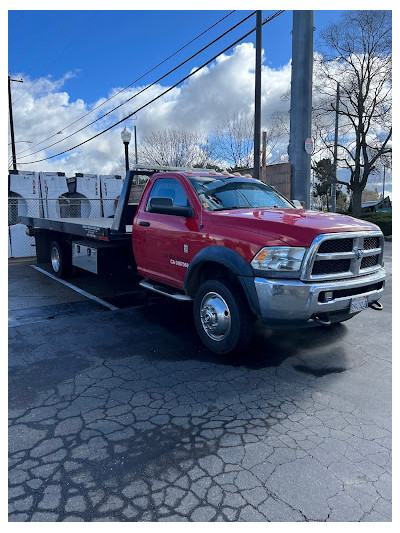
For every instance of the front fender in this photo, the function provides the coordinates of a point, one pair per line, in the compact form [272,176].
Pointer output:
[229,259]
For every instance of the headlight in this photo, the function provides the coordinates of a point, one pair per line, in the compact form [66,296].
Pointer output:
[279,258]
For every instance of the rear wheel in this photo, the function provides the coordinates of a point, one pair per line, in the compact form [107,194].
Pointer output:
[61,260]
[222,316]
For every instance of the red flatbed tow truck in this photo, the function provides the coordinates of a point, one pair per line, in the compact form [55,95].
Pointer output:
[233,245]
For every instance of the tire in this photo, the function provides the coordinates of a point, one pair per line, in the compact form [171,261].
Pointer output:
[222,317]
[61,259]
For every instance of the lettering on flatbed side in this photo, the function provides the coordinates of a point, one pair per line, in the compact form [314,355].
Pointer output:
[91,230]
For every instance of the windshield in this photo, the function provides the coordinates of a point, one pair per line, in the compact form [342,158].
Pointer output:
[220,193]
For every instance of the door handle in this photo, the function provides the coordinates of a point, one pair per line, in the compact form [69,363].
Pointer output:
[142,223]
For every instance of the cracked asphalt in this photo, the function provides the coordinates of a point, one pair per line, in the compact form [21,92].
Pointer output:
[125,416]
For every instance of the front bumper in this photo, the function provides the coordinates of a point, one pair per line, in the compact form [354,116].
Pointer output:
[296,303]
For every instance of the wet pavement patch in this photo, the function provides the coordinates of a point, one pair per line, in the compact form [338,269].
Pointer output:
[24,384]
[319,372]
[49,312]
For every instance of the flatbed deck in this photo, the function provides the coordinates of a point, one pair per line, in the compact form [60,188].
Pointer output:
[95,228]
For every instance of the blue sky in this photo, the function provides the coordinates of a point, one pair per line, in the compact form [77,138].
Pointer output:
[116,47]
[105,50]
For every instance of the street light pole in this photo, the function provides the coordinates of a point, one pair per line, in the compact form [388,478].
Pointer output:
[126,156]
[14,157]
[126,137]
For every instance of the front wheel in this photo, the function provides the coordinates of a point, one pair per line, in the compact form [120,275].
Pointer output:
[222,316]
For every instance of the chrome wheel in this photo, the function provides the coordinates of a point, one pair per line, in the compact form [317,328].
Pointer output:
[55,259]
[215,316]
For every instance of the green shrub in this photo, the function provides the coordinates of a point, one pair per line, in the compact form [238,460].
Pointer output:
[383,220]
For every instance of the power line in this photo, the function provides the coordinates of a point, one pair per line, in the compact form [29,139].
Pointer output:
[276,14]
[33,38]
[132,83]
[56,58]
[46,48]
[16,26]
[142,90]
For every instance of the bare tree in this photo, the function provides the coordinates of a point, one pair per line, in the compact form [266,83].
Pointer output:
[356,53]
[232,141]
[172,147]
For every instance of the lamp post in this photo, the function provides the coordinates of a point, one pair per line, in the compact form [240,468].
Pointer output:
[126,137]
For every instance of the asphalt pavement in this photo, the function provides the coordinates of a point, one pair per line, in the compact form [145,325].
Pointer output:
[125,416]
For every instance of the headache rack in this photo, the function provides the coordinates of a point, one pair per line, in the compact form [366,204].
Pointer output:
[343,255]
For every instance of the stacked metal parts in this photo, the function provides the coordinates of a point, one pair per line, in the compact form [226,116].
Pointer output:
[54,195]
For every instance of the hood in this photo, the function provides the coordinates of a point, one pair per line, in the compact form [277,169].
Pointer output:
[296,227]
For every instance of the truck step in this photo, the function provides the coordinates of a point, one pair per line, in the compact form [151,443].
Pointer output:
[166,291]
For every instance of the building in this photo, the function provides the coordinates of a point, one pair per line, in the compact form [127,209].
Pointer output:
[377,206]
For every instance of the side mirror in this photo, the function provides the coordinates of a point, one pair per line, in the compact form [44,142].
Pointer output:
[165,206]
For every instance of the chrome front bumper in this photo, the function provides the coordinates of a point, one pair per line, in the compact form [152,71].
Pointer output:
[293,302]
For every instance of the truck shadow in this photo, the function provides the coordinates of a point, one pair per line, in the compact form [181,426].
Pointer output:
[269,347]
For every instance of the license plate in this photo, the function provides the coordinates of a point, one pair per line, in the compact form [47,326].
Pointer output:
[358,304]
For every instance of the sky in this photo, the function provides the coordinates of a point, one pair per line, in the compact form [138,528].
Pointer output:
[71,61]
[112,48]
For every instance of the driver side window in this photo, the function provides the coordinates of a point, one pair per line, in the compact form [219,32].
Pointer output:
[169,188]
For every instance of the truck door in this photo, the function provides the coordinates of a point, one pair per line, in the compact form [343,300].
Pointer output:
[162,248]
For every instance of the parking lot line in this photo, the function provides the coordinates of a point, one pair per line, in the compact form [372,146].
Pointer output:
[76,289]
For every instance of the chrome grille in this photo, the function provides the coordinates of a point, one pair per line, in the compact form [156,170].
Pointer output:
[336,246]
[331,266]
[371,242]
[367,262]
[339,255]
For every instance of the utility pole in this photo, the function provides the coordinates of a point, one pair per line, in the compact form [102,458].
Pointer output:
[257,97]
[264,157]
[136,157]
[335,147]
[14,157]
[301,104]
[384,177]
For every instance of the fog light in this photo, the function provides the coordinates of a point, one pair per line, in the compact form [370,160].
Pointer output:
[328,296]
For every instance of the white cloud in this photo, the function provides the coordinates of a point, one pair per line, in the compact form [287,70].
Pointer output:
[224,87]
